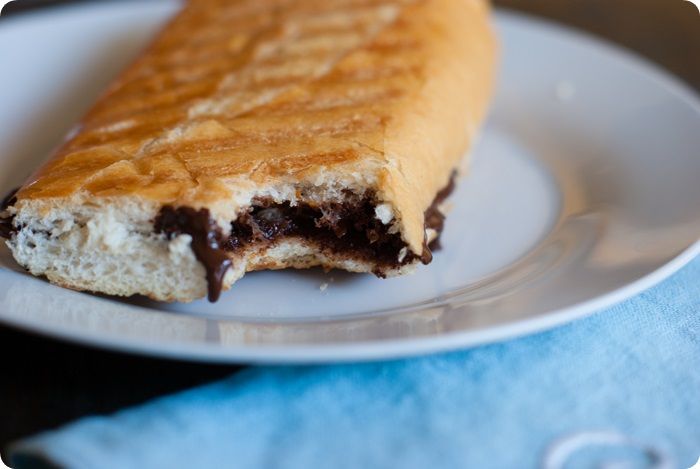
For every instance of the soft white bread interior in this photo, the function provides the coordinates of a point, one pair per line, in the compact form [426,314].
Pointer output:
[108,247]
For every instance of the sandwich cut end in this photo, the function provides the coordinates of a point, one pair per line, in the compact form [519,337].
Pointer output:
[182,253]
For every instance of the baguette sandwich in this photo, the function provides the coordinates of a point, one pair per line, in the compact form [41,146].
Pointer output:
[257,135]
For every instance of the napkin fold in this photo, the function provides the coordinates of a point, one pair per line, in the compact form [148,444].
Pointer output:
[622,386]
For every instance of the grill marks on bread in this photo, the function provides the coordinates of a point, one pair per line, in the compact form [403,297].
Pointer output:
[273,75]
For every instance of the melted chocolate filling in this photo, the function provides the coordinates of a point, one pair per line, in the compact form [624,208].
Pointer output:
[6,228]
[349,228]
[435,219]
[206,241]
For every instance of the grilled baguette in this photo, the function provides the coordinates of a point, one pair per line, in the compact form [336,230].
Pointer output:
[263,135]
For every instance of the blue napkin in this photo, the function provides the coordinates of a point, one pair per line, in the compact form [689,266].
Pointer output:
[620,387]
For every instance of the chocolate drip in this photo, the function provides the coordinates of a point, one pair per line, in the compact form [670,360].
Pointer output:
[435,219]
[206,241]
[6,228]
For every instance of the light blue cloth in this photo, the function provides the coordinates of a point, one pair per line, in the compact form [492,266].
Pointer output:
[622,385]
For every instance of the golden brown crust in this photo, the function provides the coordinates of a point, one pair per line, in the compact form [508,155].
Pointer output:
[283,90]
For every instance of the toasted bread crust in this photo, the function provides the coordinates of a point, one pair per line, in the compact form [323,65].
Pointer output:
[287,90]
[282,99]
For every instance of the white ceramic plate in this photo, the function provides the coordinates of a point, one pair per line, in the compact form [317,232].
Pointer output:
[585,189]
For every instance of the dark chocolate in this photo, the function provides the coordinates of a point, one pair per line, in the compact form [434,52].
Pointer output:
[6,227]
[349,228]
[206,241]
[434,218]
